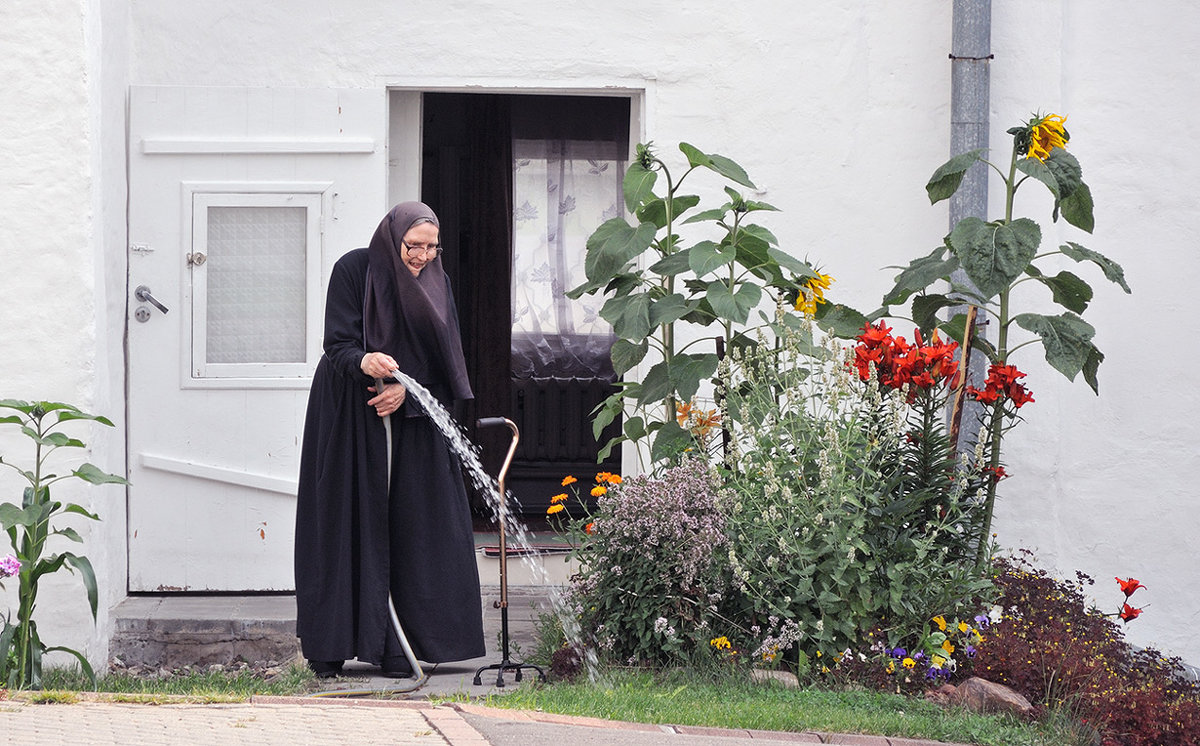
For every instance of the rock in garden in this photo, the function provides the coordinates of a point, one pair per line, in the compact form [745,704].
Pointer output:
[942,695]
[786,678]
[982,695]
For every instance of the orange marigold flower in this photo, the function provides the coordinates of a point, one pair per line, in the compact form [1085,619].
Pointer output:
[569,480]
[588,528]
[614,479]
[599,490]
[555,508]
[602,477]
[562,497]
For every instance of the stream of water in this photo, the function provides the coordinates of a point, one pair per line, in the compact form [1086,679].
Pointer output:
[517,536]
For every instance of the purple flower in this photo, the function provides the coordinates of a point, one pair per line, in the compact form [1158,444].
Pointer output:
[899,653]
[982,621]
[918,656]
[971,651]
[931,673]
[9,567]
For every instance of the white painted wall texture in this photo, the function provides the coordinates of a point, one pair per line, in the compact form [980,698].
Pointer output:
[838,110]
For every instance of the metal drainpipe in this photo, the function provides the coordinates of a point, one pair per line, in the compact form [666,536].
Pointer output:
[970,100]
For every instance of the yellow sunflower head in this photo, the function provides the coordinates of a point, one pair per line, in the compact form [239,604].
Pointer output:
[812,293]
[1041,135]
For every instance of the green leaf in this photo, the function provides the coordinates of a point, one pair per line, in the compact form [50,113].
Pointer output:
[78,415]
[839,320]
[11,515]
[79,509]
[668,309]
[1111,269]
[995,254]
[656,385]
[84,566]
[759,232]
[955,328]
[714,214]
[626,354]
[1066,338]
[606,412]
[1091,366]
[925,309]
[1040,171]
[83,662]
[629,316]
[787,261]
[69,533]
[1070,291]
[688,370]
[737,305]
[718,163]
[946,179]
[655,211]
[92,474]
[694,156]
[708,256]
[13,419]
[673,264]
[1066,171]
[635,428]
[638,185]
[18,404]
[1077,208]
[920,274]
[613,245]
[62,440]
[670,441]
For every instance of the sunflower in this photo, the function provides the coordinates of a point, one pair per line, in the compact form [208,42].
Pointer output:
[812,293]
[1045,134]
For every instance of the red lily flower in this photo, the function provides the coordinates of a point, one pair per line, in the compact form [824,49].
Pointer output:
[1128,613]
[1129,586]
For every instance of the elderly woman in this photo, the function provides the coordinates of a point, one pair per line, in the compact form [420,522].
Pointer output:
[389,307]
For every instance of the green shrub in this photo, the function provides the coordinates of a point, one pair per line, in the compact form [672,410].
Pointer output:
[653,570]
[840,517]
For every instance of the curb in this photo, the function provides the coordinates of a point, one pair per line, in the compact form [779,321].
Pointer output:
[445,719]
[814,737]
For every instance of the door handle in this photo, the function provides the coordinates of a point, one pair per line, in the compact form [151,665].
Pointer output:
[142,293]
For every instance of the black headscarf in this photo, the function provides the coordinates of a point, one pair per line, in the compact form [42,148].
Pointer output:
[413,319]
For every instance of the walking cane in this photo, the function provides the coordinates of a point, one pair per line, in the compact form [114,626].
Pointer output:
[502,506]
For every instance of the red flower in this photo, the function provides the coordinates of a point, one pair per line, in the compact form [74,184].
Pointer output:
[988,395]
[898,363]
[1002,381]
[1129,586]
[997,474]
[1128,613]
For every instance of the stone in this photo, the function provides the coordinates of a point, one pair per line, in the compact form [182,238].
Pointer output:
[786,678]
[942,695]
[981,695]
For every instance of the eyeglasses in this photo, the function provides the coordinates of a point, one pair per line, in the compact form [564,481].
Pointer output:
[426,250]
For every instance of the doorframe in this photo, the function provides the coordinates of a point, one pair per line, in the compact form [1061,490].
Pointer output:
[406,91]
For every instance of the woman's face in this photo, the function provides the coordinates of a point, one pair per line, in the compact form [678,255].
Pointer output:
[419,247]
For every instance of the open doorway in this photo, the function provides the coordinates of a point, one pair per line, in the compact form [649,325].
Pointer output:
[520,182]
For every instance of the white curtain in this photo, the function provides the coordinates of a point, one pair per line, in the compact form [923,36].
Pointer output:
[562,191]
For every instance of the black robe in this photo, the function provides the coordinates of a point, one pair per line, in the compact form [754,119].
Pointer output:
[354,541]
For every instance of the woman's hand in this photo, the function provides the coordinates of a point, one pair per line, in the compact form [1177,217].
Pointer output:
[389,400]
[378,365]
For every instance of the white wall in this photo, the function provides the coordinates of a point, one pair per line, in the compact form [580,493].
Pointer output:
[838,110]
[61,290]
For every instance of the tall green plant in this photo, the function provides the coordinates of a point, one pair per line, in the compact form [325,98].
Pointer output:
[656,280]
[29,528]
[999,255]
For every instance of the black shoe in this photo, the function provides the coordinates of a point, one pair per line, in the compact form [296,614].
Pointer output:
[326,669]
[396,668]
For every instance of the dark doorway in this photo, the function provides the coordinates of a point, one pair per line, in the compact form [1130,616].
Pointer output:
[519,183]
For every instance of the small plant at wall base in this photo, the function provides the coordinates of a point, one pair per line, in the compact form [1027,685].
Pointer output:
[998,256]
[29,528]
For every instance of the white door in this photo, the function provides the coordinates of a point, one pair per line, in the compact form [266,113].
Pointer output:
[240,201]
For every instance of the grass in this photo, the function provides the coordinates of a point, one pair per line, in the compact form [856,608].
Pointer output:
[196,686]
[681,698]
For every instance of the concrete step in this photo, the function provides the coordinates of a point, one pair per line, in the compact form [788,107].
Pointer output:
[173,630]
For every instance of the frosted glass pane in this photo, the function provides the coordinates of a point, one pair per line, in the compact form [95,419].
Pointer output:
[256,284]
